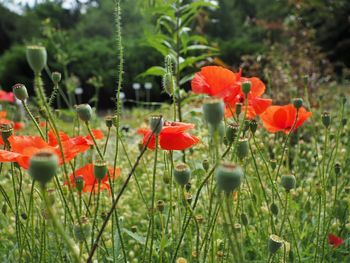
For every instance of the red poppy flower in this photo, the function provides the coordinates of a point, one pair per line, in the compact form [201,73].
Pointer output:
[281,118]
[223,83]
[90,182]
[173,136]
[334,240]
[6,96]
[24,147]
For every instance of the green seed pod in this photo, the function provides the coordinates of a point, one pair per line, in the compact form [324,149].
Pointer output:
[246,87]
[6,131]
[273,163]
[326,119]
[288,182]
[109,121]
[337,169]
[56,77]
[166,179]
[231,132]
[156,124]
[274,209]
[228,177]
[134,229]
[238,108]
[82,232]
[213,111]
[20,91]
[275,243]
[297,103]
[84,112]
[79,183]
[169,83]
[206,165]
[253,126]
[244,219]
[100,170]
[160,205]
[36,57]
[182,174]
[43,166]
[242,148]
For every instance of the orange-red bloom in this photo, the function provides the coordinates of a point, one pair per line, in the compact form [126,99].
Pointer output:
[334,240]
[172,137]
[281,118]
[90,182]
[24,147]
[223,83]
[6,96]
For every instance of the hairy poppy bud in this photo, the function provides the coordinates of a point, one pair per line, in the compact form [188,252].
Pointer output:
[288,182]
[169,83]
[156,124]
[205,165]
[228,177]
[84,112]
[213,110]
[56,77]
[79,183]
[326,119]
[231,132]
[297,103]
[238,108]
[182,174]
[100,170]
[246,87]
[275,243]
[82,231]
[253,126]
[36,57]
[20,91]
[242,148]
[274,209]
[43,166]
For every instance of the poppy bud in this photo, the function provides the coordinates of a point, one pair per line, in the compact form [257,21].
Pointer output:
[182,174]
[242,148]
[231,132]
[326,119]
[160,205]
[228,177]
[238,108]
[100,170]
[213,110]
[275,243]
[79,183]
[24,216]
[82,230]
[253,126]
[273,163]
[36,57]
[246,87]
[43,166]
[274,209]
[156,124]
[244,219]
[56,77]
[288,182]
[84,112]
[166,179]
[6,131]
[134,229]
[205,165]
[337,169]
[169,83]
[109,121]
[297,103]
[20,91]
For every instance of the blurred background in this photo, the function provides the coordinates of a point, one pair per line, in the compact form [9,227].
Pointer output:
[290,44]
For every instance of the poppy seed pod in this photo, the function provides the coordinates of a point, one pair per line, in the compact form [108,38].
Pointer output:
[274,209]
[182,174]
[36,57]
[244,219]
[246,87]
[109,121]
[43,166]
[273,163]
[205,165]
[238,108]
[156,123]
[6,131]
[56,77]
[275,243]
[228,177]
[231,132]
[79,183]
[169,83]
[213,110]
[337,168]
[84,112]
[253,126]
[100,170]
[297,103]
[20,91]
[326,119]
[288,182]
[242,148]
[160,205]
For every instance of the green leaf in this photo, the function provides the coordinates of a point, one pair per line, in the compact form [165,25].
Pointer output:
[135,236]
[153,71]
[186,79]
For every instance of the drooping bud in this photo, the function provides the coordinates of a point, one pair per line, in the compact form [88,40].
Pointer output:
[156,124]
[228,177]
[242,148]
[288,182]
[36,57]
[109,121]
[231,132]
[297,103]
[326,119]
[20,91]
[100,170]
[84,112]
[56,77]
[169,83]
[182,174]
[275,243]
[43,166]
[213,110]
[246,87]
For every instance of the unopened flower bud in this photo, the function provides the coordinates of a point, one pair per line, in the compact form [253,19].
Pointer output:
[36,57]
[337,169]
[182,174]
[246,87]
[109,121]
[253,126]
[169,83]
[326,119]
[288,182]
[56,77]
[79,183]
[297,103]
[213,110]
[274,209]
[156,124]
[43,166]
[20,91]
[205,165]
[84,112]
[273,163]
[228,177]
[238,108]
[160,205]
